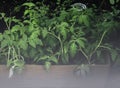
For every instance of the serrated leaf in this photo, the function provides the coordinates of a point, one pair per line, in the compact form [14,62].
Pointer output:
[23,44]
[16,20]
[19,63]
[72,29]
[15,28]
[80,43]
[65,24]
[25,13]
[12,37]
[63,15]
[32,43]
[24,37]
[80,19]
[84,19]
[53,59]
[63,29]
[35,34]
[6,19]
[63,32]
[38,42]
[4,43]
[73,49]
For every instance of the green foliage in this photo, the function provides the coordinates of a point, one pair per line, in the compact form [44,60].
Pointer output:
[57,36]
[14,58]
[113,1]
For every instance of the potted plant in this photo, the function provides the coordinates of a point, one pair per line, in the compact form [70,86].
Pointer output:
[55,38]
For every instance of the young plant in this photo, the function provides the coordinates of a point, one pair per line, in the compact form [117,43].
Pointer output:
[9,42]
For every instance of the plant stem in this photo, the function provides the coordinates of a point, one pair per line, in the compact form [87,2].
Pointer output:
[105,47]
[98,45]
[86,56]
[62,50]
[9,49]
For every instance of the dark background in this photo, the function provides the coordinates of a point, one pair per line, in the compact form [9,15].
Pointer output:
[7,6]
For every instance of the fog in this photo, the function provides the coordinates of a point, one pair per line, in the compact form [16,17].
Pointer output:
[35,79]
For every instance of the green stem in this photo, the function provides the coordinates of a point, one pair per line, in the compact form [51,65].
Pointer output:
[105,47]
[61,44]
[9,49]
[98,45]
[86,56]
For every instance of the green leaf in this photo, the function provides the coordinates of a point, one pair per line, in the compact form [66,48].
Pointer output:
[43,58]
[2,15]
[12,37]
[4,43]
[44,32]
[9,62]
[73,49]
[17,8]
[32,43]
[84,19]
[29,4]
[72,29]
[63,15]
[80,19]
[26,21]
[63,33]
[35,34]
[15,28]
[53,59]
[64,24]
[19,63]
[112,2]
[81,43]
[38,42]
[63,29]
[25,13]
[16,21]
[74,18]
[24,37]
[47,65]
[23,44]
